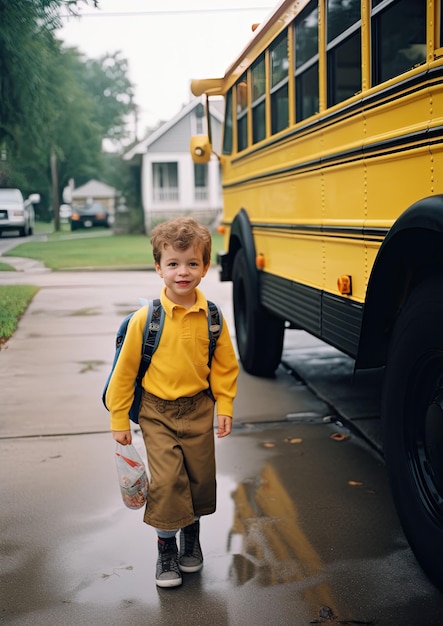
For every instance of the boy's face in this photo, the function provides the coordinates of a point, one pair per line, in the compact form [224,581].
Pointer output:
[182,271]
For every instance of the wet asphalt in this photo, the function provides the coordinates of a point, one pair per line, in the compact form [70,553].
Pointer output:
[305,531]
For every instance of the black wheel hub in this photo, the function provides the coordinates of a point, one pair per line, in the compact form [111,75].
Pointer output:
[425,435]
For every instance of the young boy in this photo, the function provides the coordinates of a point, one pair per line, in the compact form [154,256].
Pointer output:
[177,412]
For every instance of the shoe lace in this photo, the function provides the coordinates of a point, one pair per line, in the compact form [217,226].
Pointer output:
[168,559]
[191,547]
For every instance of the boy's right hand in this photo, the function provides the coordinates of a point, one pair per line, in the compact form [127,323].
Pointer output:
[122,436]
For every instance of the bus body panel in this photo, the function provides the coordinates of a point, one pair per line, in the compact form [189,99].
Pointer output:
[332,171]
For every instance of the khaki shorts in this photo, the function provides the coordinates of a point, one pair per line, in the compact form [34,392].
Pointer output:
[179,440]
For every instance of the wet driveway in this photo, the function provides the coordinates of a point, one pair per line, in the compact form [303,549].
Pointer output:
[305,531]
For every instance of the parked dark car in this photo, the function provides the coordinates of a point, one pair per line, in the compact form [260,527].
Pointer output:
[88,215]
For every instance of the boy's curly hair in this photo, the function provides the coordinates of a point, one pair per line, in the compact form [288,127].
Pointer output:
[181,233]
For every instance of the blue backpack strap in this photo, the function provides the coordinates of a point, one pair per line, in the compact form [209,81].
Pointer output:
[151,335]
[215,324]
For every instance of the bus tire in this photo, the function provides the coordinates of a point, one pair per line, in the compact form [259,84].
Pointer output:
[412,417]
[259,334]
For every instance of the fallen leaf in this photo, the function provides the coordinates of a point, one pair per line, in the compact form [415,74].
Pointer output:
[293,440]
[269,444]
[354,483]
[339,436]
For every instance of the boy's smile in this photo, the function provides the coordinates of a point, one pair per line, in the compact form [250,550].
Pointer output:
[182,271]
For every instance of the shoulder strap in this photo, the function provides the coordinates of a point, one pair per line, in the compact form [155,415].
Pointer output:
[215,323]
[151,335]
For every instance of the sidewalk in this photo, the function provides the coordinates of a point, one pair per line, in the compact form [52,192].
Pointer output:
[79,310]
[25,265]
[64,346]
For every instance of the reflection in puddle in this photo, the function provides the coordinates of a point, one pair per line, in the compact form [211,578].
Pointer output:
[268,541]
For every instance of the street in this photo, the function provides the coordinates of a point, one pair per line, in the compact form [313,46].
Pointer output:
[305,530]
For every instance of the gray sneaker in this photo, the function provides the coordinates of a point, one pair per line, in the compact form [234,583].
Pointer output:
[191,557]
[167,572]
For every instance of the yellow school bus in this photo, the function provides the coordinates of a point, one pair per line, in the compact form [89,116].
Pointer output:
[332,172]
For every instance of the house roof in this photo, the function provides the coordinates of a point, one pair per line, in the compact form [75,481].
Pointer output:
[94,189]
[143,146]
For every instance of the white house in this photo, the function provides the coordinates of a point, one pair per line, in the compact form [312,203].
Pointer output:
[96,191]
[171,183]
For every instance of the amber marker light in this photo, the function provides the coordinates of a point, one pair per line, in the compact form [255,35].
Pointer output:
[344,284]
[260,261]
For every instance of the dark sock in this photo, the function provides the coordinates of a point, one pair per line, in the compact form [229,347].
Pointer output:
[169,540]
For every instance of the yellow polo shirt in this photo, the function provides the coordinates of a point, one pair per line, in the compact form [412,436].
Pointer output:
[179,366]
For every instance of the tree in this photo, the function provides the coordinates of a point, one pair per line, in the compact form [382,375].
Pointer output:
[56,106]
[26,36]
[67,140]
[106,80]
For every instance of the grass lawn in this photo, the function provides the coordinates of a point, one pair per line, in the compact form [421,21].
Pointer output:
[79,253]
[63,251]
[4,267]
[14,300]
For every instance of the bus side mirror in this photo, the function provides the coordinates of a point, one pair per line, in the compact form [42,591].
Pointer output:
[201,148]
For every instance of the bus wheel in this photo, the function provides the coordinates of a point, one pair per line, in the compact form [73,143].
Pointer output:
[259,334]
[412,415]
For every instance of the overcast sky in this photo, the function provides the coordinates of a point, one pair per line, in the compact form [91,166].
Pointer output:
[167,43]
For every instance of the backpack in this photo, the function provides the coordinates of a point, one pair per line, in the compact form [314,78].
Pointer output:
[151,337]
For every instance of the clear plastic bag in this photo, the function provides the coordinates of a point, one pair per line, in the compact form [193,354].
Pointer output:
[132,476]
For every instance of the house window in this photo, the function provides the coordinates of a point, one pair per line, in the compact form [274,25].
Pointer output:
[201,181]
[199,119]
[165,182]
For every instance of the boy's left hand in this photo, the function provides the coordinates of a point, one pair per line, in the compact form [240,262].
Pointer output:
[224,425]
[124,436]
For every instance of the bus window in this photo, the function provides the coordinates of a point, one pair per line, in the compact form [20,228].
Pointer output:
[258,82]
[242,113]
[306,62]
[227,134]
[343,50]
[398,37]
[341,16]
[279,83]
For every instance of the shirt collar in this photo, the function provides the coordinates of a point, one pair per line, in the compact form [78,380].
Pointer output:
[200,303]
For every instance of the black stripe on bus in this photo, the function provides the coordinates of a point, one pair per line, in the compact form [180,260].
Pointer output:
[425,138]
[355,232]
